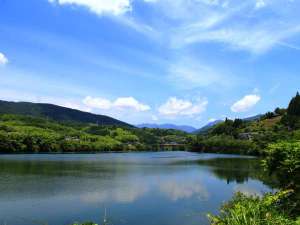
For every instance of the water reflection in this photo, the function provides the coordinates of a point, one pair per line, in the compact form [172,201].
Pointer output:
[118,194]
[239,170]
[182,189]
[148,188]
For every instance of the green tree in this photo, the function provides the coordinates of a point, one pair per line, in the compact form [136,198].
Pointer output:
[280,111]
[292,119]
[294,106]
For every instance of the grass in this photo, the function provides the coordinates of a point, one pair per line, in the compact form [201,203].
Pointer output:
[253,210]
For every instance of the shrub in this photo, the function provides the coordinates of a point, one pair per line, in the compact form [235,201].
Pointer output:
[283,157]
[253,210]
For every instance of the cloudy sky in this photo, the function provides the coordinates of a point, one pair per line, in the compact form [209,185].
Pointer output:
[174,61]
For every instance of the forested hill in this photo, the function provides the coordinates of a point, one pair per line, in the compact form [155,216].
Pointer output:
[252,135]
[57,113]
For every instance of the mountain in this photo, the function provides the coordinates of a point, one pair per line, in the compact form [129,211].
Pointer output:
[205,128]
[57,113]
[188,129]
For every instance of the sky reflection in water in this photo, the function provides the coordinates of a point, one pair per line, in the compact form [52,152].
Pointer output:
[148,188]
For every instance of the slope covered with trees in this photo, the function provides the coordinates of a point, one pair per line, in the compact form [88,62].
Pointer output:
[252,137]
[57,113]
[37,134]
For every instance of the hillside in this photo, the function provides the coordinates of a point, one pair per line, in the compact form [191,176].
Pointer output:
[19,134]
[252,135]
[57,113]
[208,127]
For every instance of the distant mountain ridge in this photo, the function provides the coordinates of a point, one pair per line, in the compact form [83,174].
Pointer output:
[185,128]
[56,112]
[205,128]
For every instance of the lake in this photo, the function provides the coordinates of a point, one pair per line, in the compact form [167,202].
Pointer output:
[149,188]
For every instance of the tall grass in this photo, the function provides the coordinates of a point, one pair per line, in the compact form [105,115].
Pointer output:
[253,210]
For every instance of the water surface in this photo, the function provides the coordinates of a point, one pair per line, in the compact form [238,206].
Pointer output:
[161,188]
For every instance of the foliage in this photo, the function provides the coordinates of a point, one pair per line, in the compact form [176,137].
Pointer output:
[276,137]
[223,144]
[292,118]
[228,127]
[253,210]
[269,115]
[280,111]
[251,137]
[35,134]
[283,207]
[284,157]
[294,106]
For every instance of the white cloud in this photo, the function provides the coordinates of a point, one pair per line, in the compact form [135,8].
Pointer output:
[120,104]
[77,106]
[256,39]
[115,7]
[245,103]
[260,4]
[237,25]
[151,1]
[291,46]
[154,118]
[3,59]
[188,73]
[255,90]
[99,103]
[180,107]
[130,102]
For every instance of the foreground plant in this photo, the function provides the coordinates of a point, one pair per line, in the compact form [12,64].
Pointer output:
[253,210]
[284,157]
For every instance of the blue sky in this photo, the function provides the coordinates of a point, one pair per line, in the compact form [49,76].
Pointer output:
[154,61]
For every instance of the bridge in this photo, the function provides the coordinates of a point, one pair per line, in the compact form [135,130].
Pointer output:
[172,146]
